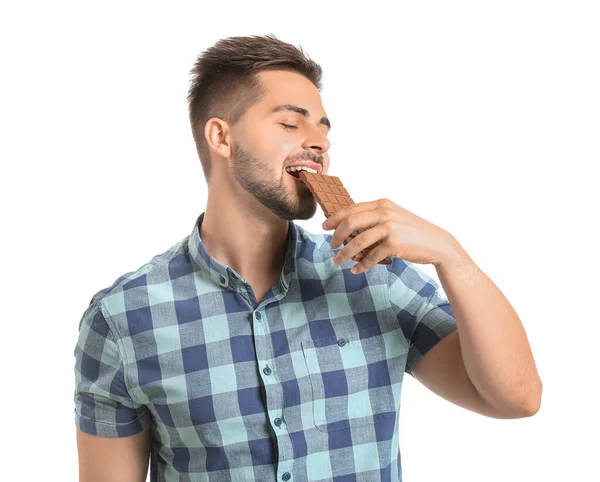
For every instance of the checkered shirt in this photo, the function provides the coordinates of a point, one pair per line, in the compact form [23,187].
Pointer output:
[303,386]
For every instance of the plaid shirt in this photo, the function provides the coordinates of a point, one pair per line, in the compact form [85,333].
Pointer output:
[303,386]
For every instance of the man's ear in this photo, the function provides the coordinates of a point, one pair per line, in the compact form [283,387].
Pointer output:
[216,133]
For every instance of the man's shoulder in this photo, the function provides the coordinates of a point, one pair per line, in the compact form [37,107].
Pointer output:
[312,240]
[316,248]
[316,243]
[154,271]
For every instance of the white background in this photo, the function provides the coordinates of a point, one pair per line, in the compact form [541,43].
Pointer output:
[481,117]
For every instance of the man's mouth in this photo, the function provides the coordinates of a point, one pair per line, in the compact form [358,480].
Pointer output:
[294,171]
[295,175]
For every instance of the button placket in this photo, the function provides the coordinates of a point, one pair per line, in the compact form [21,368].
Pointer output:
[273,392]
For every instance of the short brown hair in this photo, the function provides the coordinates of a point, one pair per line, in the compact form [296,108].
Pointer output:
[224,81]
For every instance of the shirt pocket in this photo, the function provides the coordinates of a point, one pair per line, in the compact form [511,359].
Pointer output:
[350,380]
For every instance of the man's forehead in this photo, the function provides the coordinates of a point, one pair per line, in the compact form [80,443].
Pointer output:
[291,92]
[282,87]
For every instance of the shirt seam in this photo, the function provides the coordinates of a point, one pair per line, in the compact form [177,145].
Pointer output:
[394,314]
[394,311]
[429,306]
[118,341]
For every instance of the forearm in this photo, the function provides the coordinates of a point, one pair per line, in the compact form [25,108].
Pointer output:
[494,346]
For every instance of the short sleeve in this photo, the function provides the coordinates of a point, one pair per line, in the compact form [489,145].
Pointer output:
[423,313]
[103,405]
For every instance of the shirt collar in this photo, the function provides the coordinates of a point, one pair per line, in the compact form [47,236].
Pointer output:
[221,273]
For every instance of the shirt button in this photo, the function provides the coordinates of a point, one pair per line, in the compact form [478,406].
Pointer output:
[277,421]
[341,342]
[267,370]
[286,476]
[258,315]
[222,280]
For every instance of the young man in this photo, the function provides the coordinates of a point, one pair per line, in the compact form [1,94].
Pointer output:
[245,352]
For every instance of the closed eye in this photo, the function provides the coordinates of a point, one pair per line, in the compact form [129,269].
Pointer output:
[292,128]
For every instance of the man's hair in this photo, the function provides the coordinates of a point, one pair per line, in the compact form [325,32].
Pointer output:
[224,81]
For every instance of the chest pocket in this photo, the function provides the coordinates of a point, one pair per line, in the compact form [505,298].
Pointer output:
[350,380]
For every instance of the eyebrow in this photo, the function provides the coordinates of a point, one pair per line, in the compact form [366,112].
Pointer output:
[300,110]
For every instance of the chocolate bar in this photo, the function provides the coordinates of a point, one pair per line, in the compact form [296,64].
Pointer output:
[332,196]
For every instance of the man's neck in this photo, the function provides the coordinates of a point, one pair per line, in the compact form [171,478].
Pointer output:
[252,246]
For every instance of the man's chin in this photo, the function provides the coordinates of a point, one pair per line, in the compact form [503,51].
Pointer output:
[308,211]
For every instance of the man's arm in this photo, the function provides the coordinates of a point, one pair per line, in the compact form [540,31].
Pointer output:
[110,459]
[443,372]
[113,429]
[490,347]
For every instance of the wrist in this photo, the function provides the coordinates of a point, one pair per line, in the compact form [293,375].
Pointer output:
[453,254]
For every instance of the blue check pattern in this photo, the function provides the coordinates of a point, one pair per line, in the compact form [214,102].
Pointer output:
[304,385]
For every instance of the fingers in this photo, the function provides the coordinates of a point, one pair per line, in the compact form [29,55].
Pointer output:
[364,240]
[337,217]
[371,259]
[355,222]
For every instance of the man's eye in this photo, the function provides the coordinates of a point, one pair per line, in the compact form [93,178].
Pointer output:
[285,126]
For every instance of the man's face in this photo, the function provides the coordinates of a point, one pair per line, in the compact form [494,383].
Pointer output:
[266,147]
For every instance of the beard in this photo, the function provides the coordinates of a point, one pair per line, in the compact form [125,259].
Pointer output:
[259,180]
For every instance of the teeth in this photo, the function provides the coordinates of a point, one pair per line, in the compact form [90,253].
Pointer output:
[300,168]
